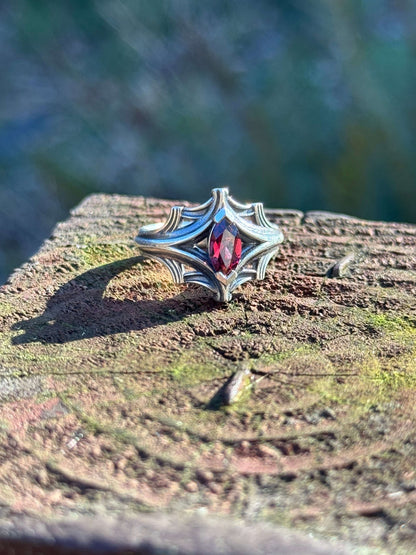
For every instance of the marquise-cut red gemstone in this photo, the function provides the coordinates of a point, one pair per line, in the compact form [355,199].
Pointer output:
[225,246]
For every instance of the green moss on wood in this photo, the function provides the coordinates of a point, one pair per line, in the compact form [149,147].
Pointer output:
[95,253]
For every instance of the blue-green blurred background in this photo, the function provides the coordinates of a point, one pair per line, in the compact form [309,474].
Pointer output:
[295,103]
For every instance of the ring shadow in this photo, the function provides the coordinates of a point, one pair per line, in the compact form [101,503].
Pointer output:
[78,309]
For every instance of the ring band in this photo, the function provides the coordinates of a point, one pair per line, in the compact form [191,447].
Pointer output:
[219,244]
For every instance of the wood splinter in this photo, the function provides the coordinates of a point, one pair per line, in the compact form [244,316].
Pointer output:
[238,383]
[340,268]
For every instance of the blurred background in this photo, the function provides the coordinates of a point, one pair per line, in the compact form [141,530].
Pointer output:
[298,104]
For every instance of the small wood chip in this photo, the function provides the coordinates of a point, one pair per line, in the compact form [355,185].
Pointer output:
[237,384]
[340,268]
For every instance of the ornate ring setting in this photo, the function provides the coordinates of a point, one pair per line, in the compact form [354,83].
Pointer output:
[219,244]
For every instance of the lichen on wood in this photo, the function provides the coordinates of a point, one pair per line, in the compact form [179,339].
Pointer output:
[108,370]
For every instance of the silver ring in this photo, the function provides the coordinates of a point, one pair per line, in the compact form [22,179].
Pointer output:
[219,245]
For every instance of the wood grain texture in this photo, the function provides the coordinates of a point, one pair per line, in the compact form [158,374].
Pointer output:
[110,375]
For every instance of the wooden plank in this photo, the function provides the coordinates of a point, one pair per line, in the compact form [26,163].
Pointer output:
[108,372]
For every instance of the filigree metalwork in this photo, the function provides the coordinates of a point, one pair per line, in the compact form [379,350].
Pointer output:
[182,243]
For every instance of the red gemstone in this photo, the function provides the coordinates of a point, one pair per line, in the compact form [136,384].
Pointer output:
[225,247]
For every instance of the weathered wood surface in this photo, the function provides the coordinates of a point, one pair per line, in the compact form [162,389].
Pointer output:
[157,534]
[110,377]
